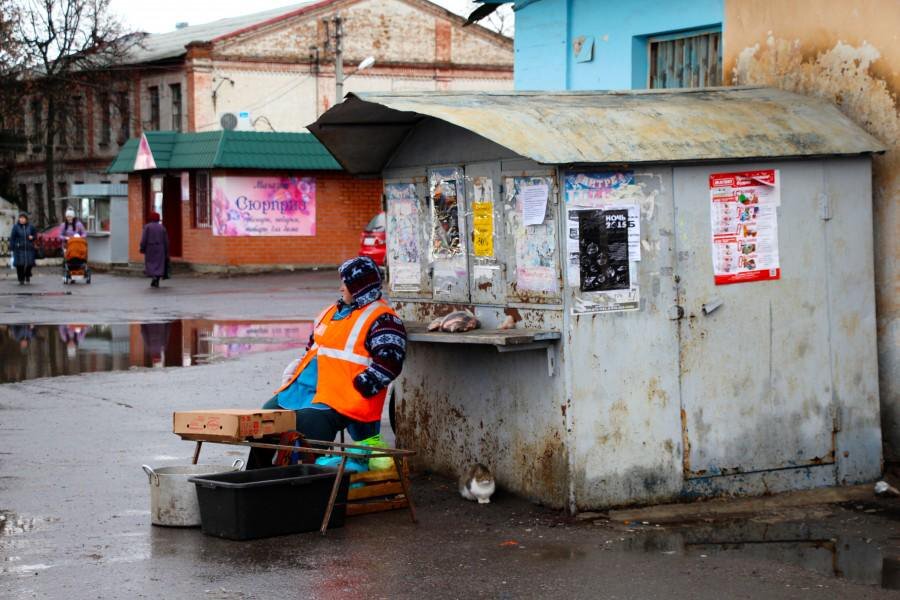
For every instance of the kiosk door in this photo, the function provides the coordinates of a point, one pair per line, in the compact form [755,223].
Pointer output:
[754,340]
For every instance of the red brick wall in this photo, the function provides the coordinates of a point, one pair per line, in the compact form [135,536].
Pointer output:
[344,205]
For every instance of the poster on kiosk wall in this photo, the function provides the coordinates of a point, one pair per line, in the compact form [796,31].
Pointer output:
[263,206]
[744,219]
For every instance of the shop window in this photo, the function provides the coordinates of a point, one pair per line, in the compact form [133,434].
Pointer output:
[687,60]
[156,194]
[93,213]
[154,108]
[201,201]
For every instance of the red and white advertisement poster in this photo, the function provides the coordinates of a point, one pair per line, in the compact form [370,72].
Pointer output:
[744,222]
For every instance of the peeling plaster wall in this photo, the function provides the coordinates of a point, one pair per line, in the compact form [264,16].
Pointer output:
[848,54]
[417,46]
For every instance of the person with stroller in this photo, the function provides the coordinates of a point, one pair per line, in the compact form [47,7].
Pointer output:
[21,243]
[71,226]
[155,248]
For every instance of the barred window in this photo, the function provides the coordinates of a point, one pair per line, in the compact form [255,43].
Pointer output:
[687,60]
[201,199]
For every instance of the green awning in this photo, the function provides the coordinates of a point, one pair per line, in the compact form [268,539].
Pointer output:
[229,150]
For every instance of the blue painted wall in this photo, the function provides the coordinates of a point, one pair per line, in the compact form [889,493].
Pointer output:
[545,31]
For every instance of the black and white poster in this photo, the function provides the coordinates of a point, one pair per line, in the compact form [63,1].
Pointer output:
[603,248]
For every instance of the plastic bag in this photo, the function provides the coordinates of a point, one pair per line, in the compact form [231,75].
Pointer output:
[379,463]
[289,371]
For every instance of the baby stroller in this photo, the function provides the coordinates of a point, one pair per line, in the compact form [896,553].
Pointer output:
[75,260]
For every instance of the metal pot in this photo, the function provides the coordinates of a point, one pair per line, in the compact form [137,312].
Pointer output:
[173,499]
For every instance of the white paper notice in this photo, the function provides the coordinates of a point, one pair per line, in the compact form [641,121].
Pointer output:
[534,204]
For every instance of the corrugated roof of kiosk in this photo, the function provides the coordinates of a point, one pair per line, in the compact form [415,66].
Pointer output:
[640,126]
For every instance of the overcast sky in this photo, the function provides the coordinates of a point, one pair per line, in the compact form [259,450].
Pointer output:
[158,16]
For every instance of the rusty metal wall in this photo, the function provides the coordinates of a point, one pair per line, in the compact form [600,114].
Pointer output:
[457,404]
[643,406]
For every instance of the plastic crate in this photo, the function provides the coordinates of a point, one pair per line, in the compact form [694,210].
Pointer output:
[245,505]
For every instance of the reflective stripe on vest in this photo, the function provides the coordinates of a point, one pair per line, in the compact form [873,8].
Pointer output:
[347,352]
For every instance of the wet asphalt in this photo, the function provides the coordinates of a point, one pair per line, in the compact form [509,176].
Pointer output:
[74,503]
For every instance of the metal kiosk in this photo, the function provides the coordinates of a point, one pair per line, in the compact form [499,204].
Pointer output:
[689,274]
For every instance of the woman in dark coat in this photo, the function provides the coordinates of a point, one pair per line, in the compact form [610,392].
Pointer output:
[155,248]
[21,242]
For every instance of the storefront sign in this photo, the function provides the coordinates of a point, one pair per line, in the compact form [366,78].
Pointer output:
[744,221]
[234,339]
[264,206]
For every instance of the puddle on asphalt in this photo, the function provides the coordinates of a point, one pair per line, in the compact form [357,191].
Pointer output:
[31,351]
[808,545]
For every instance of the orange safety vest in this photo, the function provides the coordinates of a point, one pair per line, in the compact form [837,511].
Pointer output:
[341,350]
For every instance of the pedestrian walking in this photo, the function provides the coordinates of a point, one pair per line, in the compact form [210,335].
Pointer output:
[21,242]
[155,248]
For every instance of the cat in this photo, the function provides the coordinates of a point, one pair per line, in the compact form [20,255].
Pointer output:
[477,483]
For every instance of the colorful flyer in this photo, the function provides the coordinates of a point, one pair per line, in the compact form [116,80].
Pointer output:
[744,226]
[404,256]
[483,222]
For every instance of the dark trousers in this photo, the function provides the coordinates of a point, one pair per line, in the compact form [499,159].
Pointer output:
[23,273]
[314,424]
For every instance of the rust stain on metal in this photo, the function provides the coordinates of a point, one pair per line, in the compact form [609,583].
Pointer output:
[685,443]
[485,285]
[514,313]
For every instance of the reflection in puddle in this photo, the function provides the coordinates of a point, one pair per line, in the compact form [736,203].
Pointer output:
[806,545]
[32,351]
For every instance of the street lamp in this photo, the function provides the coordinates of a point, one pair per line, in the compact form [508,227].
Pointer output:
[366,63]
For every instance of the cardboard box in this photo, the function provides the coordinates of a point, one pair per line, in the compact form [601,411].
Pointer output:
[232,424]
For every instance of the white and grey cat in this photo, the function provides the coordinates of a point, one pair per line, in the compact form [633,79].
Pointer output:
[477,483]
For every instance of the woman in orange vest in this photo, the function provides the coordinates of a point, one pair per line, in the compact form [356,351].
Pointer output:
[357,348]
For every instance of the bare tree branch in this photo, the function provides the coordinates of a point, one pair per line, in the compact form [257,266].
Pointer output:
[57,52]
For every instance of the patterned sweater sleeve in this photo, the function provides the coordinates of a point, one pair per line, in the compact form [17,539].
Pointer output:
[386,343]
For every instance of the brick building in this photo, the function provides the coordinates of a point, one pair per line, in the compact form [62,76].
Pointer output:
[222,195]
[274,70]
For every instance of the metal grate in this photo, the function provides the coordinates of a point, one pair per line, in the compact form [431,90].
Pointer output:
[4,246]
[686,62]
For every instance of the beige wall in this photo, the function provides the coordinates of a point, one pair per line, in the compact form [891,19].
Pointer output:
[849,54]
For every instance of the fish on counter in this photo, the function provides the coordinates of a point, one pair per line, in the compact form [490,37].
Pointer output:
[457,321]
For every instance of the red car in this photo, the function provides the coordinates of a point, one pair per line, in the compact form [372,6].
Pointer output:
[49,242]
[372,242]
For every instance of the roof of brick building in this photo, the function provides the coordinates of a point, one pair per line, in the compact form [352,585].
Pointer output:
[264,150]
